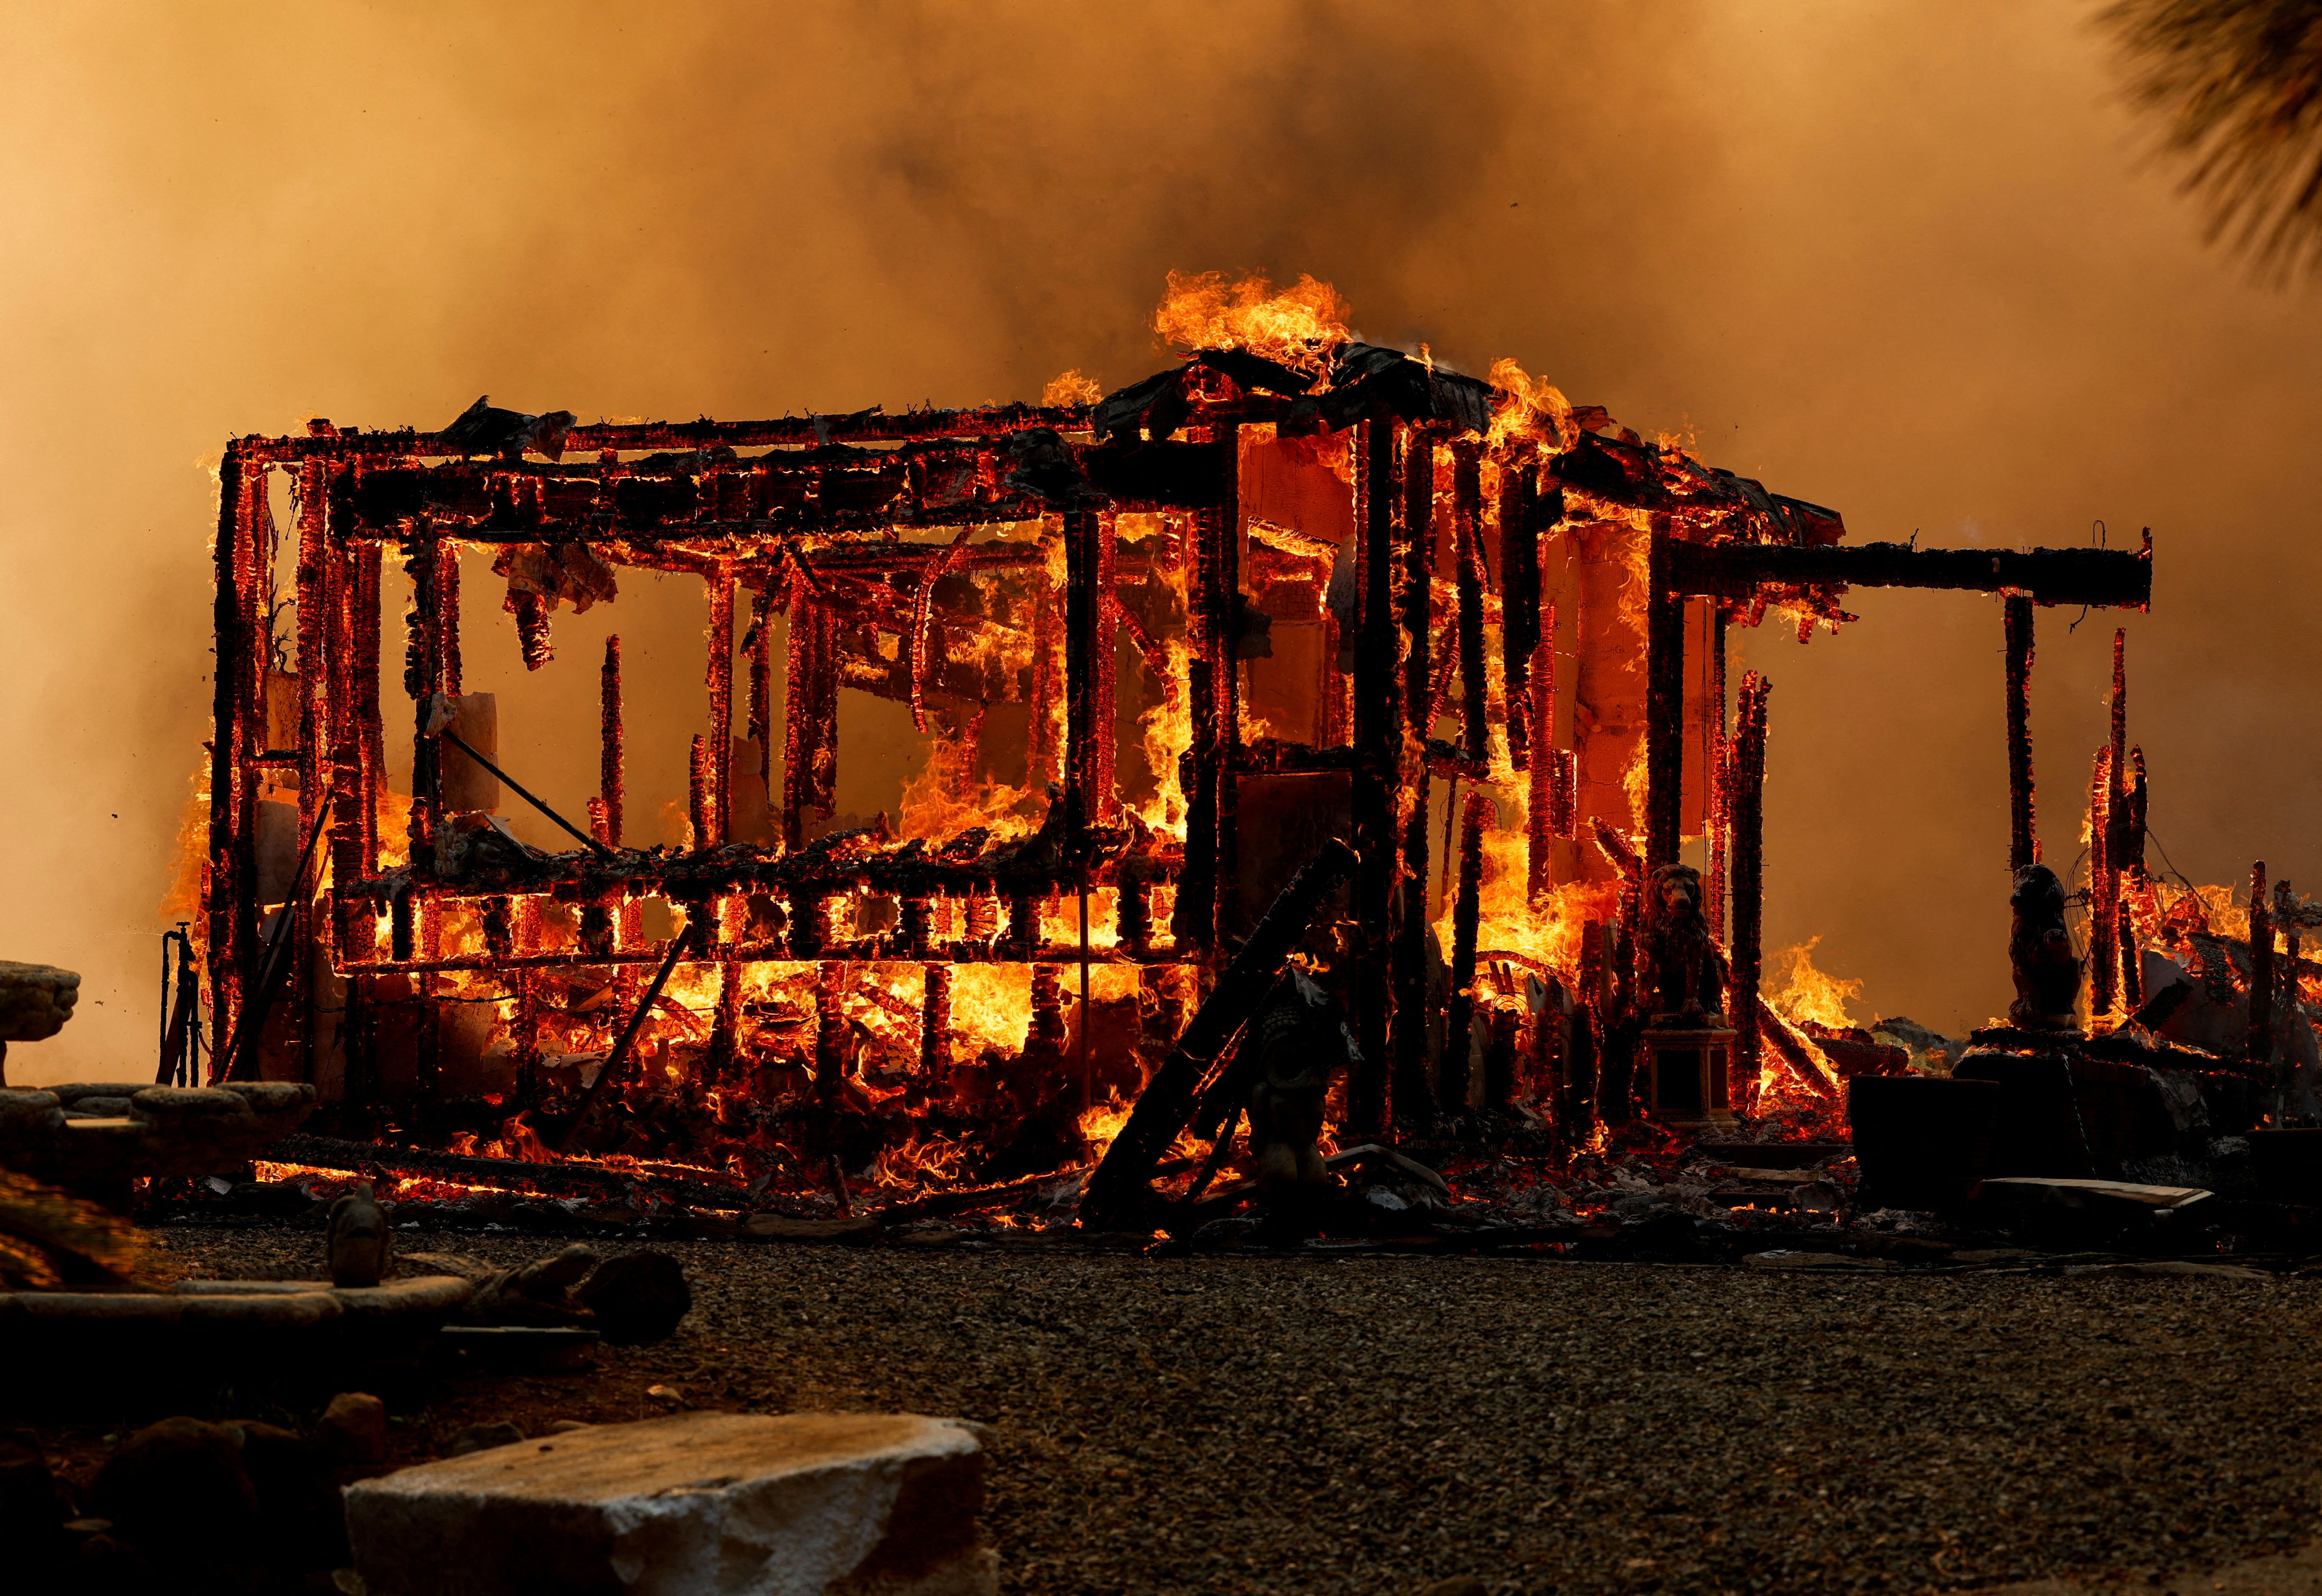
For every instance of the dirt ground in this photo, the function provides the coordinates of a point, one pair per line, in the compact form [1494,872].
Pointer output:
[1237,1424]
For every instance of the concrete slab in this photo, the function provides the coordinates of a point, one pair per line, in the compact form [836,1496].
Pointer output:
[698,1504]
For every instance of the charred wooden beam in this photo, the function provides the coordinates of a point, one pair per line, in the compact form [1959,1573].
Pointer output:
[1664,710]
[935,1024]
[1746,813]
[583,1179]
[1541,813]
[830,1029]
[1520,507]
[1716,779]
[717,770]
[611,780]
[2260,995]
[2023,843]
[1467,522]
[809,717]
[812,431]
[370,729]
[1221,601]
[423,678]
[1091,634]
[1116,1190]
[2104,578]
[1588,1017]
[238,707]
[726,1027]
[1466,911]
[1414,554]
[1378,734]
[2104,890]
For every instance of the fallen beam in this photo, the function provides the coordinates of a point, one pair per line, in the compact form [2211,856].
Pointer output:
[327,1152]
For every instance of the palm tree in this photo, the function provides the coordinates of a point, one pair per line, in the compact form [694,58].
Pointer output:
[2238,84]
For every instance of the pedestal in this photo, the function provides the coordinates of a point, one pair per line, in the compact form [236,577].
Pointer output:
[1687,1071]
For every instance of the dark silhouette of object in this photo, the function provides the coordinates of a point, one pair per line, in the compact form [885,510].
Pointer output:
[483,428]
[358,1240]
[2234,84]
[1302,1040]
[1681,975]
[2047,970]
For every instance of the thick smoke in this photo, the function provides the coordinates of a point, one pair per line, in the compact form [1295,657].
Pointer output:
[1902,261]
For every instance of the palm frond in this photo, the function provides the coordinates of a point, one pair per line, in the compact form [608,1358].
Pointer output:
[2237,85]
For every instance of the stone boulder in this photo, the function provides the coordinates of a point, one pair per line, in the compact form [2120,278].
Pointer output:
[35,1000]
[697,1504]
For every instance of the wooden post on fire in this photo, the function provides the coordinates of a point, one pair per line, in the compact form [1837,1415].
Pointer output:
[717,768]
[1377,763]
[319,774]
[1520,505]
[1465,912]
[1547,812]
[810,714]
[238,703]
[611,782]
[2261,994]
[1091,636]
[1415,559]
[1717,776]
[1090,633]
[1220,530]
[1467,527]
[1664,710]
[2023,842]
[1746,811]
[361,793]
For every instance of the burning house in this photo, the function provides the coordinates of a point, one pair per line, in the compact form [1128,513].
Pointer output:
[1164,647]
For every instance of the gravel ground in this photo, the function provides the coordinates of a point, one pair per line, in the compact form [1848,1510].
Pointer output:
[1254,1423]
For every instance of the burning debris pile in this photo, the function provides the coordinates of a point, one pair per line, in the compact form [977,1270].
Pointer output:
[1165,646]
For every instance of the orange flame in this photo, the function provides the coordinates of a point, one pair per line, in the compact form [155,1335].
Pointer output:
[1296,326]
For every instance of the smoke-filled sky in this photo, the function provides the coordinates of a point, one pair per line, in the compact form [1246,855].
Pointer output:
[1904,260]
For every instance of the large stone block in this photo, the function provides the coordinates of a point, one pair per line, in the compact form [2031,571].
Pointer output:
[852,1504]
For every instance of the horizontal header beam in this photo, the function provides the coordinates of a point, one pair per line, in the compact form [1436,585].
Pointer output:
[2102,578]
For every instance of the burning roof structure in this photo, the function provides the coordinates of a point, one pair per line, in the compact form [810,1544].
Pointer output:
[1165,645]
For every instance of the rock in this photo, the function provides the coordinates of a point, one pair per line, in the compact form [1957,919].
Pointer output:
[353,1428]
[31,1511]
[695,1503]
[35,1000]
[483,1437]
[538,1293]
[357,1241]
[173,1104]
[274,1099]
[302,1524]
[565,1427]
[176,1491]
[637,1296]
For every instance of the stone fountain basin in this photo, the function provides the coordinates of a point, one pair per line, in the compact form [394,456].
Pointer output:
[99,1130]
